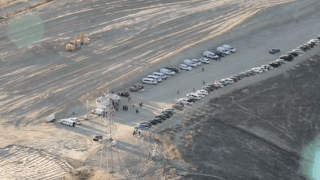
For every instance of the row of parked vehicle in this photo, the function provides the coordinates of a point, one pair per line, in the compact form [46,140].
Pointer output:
[164,115]
[157,77]
[187,65]
[195,96]
[192,97]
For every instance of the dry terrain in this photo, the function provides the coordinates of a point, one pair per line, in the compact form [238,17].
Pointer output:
[131,39]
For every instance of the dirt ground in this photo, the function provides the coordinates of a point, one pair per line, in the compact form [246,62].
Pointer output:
[129,40]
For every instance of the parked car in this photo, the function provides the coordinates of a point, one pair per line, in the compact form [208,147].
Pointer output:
[161,116]
[146,125]
[190,63]
[310,44]
[222,50]
[274,64]
[209,54]
[176,70]
[293,53]
[204,60]
[274,50]
[178,106]
[76,120]
[158,120]
[286,57]
[248,73]
[219,54]
[166,114]
[192,99]
[299,51]
[238,76]
[169,110]
[230,81]
[68,122]
[141,127]
[136,87]
[315,41]
[203,93]
[219,83]
[241,74]
[149,81]
[307,46]
[185,67]
[153,121]
[280,61]
[159,74]
[199,63]
[167,72]
[157,78]
[50,118]
[124,93]
[185,101]
[193,95]
[303,47]
[234,78]
[146,122]
[97,137]
[229,48]
[207,88]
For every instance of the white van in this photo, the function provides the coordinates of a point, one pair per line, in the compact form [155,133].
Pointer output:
[167,71]
[76,120]
[149,81]
[97,111]
[161,75]
[154,77]
[68,122]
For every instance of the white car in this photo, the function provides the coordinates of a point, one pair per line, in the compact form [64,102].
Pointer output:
[167,71]
[257,70]
[281,61]
[157,78]
[194,95]
[299,51]
[185,101]
[223,81]
[219,83]
[185,67]
[315,41]
[171,110]
[209,54]
[202,93]
[76,120]
[161,75]
[196,61]
[230,81]
[229,48]
[204,60]
[222,50]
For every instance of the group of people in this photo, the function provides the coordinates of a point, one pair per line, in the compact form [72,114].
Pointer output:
[115,105]
[125,108]
[136,132]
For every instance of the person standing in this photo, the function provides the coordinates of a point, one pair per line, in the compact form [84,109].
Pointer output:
[177,93]
[203,82]
[202,69]
[133,105]
[139,133]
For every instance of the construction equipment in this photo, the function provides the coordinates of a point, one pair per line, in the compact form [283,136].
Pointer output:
[77,42]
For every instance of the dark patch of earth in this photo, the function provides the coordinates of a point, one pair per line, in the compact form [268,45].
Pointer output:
[258,135]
